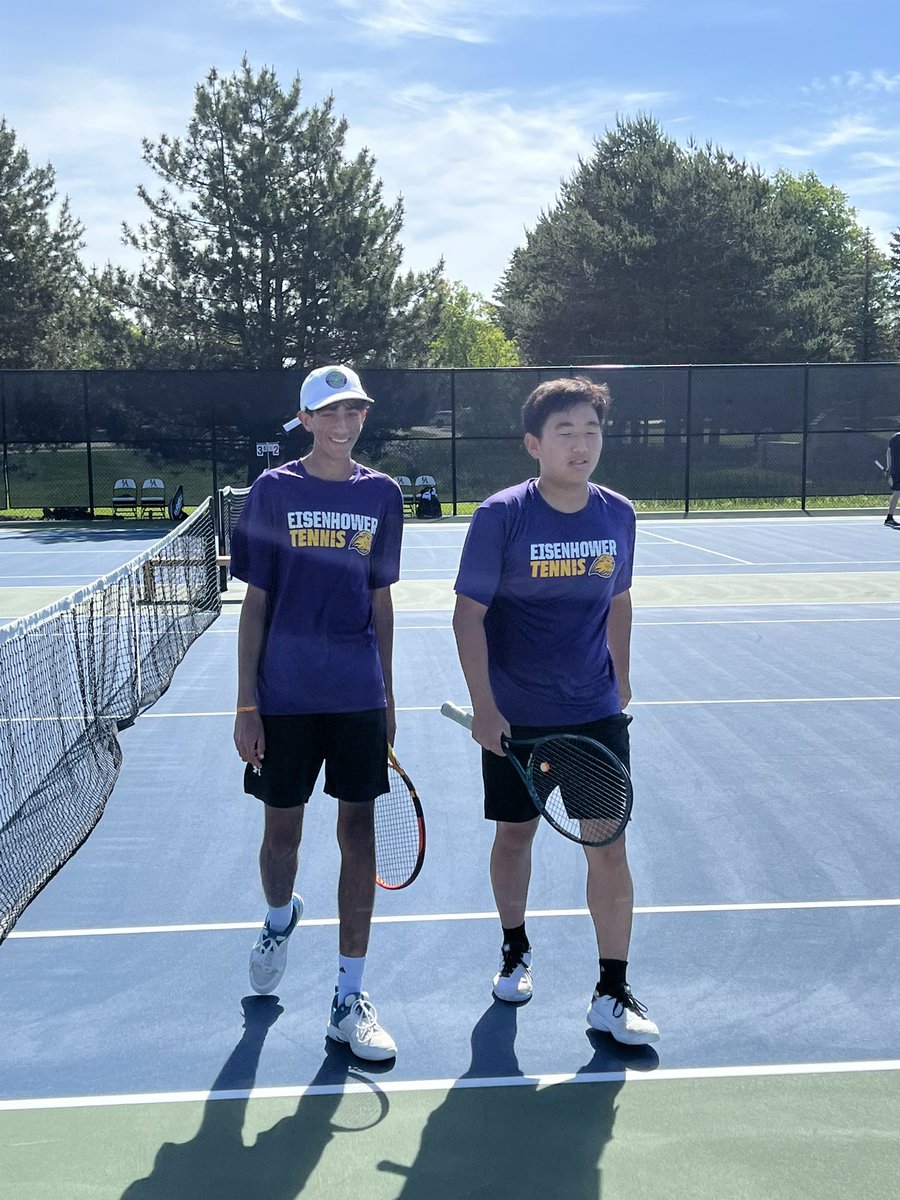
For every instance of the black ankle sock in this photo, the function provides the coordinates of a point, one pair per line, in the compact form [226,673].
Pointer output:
[516,939]
[612,976]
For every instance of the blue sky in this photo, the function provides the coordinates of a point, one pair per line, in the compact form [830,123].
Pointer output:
[474,109]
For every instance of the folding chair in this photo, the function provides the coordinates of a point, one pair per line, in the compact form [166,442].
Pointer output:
[153,498]
[124,497]
[409,492]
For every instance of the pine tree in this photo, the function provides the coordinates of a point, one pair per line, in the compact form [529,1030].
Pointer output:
[42,281]
[268,245]
[658,253]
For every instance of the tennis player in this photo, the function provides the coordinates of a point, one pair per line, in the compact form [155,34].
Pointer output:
[892,471]
[543,627]
[318,544]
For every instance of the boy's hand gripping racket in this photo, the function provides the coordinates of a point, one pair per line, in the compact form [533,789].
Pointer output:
[399,831]
[574,782]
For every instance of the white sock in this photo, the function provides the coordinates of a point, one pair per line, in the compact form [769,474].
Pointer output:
[350,976]
[278,919]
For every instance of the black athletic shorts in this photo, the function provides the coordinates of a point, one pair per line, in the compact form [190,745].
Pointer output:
[353,747]
[505,796]
[895,482]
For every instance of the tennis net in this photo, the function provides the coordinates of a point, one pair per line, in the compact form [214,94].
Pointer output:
[72,676]
[229,506]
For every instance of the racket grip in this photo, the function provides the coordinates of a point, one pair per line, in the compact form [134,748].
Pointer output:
[457,714]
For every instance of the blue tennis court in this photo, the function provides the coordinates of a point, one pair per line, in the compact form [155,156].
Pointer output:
[136,1062]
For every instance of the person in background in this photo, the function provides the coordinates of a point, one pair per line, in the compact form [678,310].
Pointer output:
[892,472]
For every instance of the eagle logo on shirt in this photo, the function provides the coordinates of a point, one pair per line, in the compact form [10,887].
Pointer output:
[362,542]
[603,565]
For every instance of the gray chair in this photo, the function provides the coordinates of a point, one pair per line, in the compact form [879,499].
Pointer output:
[124,497]
[153,498]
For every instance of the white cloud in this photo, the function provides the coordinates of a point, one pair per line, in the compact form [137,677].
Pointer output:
[476,169]
[839,133]
[90,128]
[872,81]
[393,21]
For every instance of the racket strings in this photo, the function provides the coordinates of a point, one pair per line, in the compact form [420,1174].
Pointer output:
[581,789]
[397,832]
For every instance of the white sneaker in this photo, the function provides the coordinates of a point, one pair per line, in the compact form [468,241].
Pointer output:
[356,1023]
[623,1017]
[513,982]
[268,958]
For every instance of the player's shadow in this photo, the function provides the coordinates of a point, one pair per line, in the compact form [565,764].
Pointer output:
[216,1164]
[518,1138]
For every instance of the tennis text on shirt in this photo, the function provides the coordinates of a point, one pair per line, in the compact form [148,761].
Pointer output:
[331,529]
[558,560]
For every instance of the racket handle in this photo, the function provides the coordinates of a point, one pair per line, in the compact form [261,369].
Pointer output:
[457,714]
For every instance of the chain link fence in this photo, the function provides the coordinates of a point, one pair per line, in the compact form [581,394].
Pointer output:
[679,437]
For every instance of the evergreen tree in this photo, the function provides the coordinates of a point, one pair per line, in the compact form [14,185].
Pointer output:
[657,253]
[868,330]
[42,282]
[268,245]
[894,293]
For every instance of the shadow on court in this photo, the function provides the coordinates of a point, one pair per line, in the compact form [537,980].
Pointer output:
[519,1140]
[216,1164]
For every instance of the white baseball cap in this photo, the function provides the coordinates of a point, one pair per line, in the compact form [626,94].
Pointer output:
[326,385]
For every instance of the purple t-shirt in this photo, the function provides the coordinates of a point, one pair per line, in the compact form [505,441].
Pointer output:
[547,579]
[319,548]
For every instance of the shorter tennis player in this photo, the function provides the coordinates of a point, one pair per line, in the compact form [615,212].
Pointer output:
[892,471]
[318,544]
[543,628]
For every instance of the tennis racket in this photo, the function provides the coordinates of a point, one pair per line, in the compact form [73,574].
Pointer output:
[399,830]
[579,786]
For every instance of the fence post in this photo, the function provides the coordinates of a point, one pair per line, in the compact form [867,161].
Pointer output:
[804,441]
[88,445]
[453,439]
[6,503]
[687,441]
[215,452]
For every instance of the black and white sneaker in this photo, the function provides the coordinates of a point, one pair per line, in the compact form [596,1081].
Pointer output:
[513,982]
[892,524]
[622,1016]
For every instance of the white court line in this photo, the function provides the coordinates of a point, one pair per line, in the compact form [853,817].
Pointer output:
[409,708]
[54,550]
[703,550]
[649,624]
[429,918]
[154,716]
[627,1075]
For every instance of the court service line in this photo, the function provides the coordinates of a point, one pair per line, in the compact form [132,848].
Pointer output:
[399,626]
[626,1075]
[154,716]
[427,708]
[430,918]
[703,549]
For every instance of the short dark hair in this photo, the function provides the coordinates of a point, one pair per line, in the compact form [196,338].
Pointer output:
[558,395]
